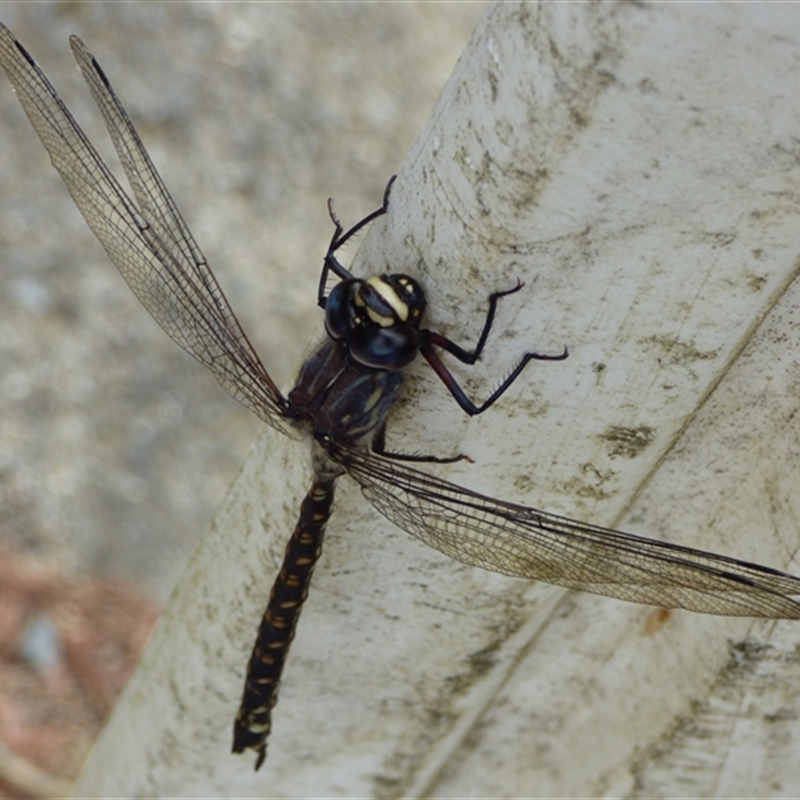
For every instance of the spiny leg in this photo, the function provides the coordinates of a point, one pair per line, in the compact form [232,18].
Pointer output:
[339,239]
[430,339]
[379,447]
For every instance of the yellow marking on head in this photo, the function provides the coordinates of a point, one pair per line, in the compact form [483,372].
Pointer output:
[387,292]
[379,319]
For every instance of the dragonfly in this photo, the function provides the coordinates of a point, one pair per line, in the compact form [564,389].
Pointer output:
[341,402]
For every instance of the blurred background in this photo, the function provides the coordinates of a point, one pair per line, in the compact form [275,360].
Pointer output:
[115,446]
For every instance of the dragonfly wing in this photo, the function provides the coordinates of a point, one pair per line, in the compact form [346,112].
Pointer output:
[148,187]
[528,543]
[149,244]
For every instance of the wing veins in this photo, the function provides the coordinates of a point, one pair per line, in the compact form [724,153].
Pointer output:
[151,246]
[524,542]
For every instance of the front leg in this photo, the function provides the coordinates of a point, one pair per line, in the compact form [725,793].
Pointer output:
[339,239]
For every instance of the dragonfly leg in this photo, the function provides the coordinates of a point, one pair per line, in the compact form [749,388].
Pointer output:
[430,339]
[379,447]
[278,625]
[339,239]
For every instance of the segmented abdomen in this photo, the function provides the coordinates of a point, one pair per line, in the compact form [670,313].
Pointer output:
[277,629]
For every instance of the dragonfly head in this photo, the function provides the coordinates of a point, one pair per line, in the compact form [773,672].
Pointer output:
[378,319]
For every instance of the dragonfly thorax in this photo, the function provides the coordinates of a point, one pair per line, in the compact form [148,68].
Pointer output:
[377,319]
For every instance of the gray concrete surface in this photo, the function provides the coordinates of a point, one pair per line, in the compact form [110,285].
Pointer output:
[115,447]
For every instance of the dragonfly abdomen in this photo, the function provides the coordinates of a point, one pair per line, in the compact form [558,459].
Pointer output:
[278,625]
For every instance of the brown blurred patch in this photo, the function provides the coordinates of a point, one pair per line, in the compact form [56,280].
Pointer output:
[657,620]
[67,647]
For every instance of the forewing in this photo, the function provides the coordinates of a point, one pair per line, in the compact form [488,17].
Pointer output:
[528,543]
[150,244]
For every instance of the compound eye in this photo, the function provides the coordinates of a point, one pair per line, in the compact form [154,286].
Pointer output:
[384,348]
[339,311]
